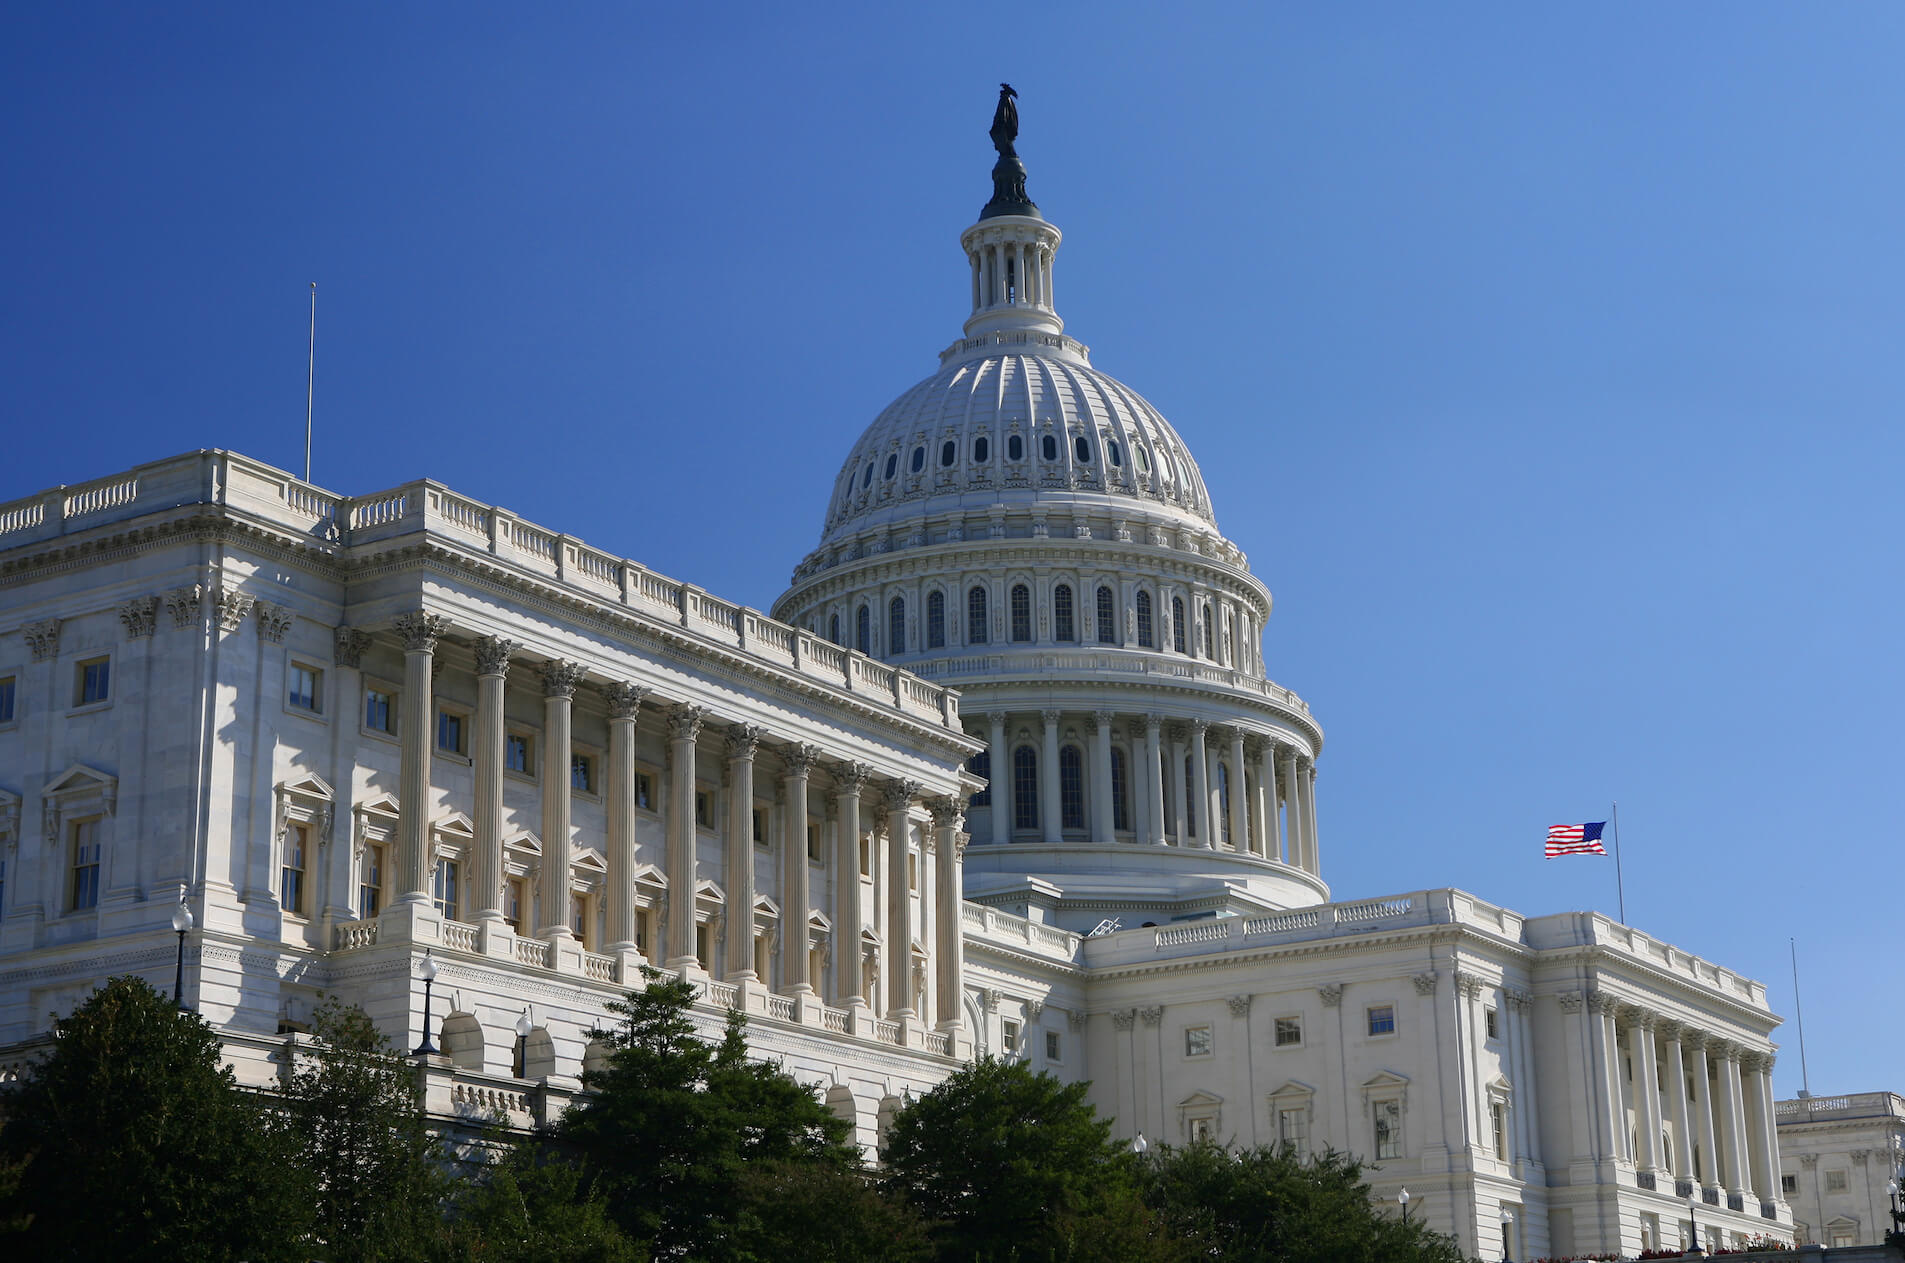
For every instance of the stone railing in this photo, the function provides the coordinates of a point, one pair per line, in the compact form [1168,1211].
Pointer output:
[262,492]
[989,925]
[1595,929]
[1150,664]
[1856,1105]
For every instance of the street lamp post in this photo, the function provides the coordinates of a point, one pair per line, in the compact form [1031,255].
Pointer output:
[523,1027]
[181,925]
[1139,1144]
[1693,1227]
[1508,1223]
[1898,1216]
[428,972]
[1403,1198]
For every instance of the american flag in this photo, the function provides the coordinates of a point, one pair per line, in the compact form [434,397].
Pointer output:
[1576,839]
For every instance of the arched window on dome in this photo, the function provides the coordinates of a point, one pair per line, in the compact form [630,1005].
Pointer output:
[1146,638]
[948,453]
[1021,612]
[981,450]
[980,765]
[1107,616]
[1143,462]
[935,619]
[1114,454]
[1048,447]
[1081,448]
[833,630]
[868,480]
[863,630]
[1192,808]
[1223,802]
[919,458]
[1064,626]
[896,627]
[1015,448]
[1177,625]
[1071,788]
[976,615]
[892,466]
[1025,788]
[1120,791]
[1210,642]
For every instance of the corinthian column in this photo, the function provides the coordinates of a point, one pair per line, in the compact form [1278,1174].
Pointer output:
[559,683]
[420,632]
[625,702]
[1200,769]
[999,758]
[1678,1106]
[1104,817]
[743,740]
[1640,1046]
[1154,778]
[1048,780]
[899,899]
[795,907]
[949,950]
[1696,1043]
[849,779]
[486,875]
[1253,781]
[1239,789]
[684,728]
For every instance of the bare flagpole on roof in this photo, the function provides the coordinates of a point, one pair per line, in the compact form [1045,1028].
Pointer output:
[1620,886]
[310,382]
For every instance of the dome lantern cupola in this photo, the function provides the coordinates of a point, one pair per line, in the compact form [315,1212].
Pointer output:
[1010,249]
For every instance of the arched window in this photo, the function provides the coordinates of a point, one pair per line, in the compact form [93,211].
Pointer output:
[1025,788]
[1223,802]
[976,616]
[868,480]
[948,453]
[1107,616]
[1120,791]
[896,627]
[1063,625]
[1210,650]
[980,765]
[892,465]
[935,619]
[1048,447]
[1146,640]
[1144,462]
[863,630]
[1114,454]
[1021,612]
[1071,788]
[1015,448]
[1081,447]
[1177,624]
[833,630]
[1192,807]
[981,450]
[919,458]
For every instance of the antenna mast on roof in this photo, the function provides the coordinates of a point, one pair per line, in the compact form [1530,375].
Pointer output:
[310,381]
[1799,1016]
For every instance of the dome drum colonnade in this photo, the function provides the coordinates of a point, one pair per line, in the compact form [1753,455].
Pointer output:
[857,978]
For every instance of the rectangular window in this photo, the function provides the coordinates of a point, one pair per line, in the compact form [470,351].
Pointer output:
[641,930]
[291,872]
[444,894]
[760,827]
[1491,1023]
[303,691]
[1009,1038]
[704,810]
[516,895]
[644,791]
[83,889]
[1388,1129]
[1836,1182]
[8,686]
[579,921]
[866,858]
[1052,1046]
[1498,1123]
[449,732]
[912,873]
[518,754]
[813,843]
[370,883]
[1293,1131]
[1197,1041]
[1200,1131]
[582,772]
[1382,1019]
[1789,1184]
[1289,1032]
[379,710]
[92,681]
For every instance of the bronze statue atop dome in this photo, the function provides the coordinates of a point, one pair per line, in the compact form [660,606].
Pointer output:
[1008,173]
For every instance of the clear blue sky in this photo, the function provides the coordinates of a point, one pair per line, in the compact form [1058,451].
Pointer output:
[1542,358]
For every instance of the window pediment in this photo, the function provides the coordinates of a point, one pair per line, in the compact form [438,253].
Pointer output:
[1201,1100]
[1386,1085]
[1294,1091]
[77,792]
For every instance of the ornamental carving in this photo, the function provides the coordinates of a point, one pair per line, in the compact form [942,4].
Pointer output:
[990,997]
[419,631]
[1601,1002]
[1692,1040]
[899,795]
[492,655]
[42,637]
[230,606]
[1033,1008]
[348,646]
[624,699]
[684,722]
[1077,1019]
[1122,1019]
[1152,1015]
[744,740]
[1331,994]
[140,615]
[1570,1001]
[1468,984]
[183,604]
[561,678]
[1199,727]
[799,759]
[1050,717]
[1861,1157]
[1425,982]
[1239,1005]
[1518,999]
[273,621]
[946,811]
[1102,718]
[1809,1160]
[851,778]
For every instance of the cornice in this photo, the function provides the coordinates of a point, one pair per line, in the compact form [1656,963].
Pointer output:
[972,691]
[1623,969]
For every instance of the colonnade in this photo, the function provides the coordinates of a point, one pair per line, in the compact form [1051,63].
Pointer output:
[1701,1107]
[1184,783]
[861,932]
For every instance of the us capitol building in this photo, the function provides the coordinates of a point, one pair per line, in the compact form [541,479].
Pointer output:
[1003,773]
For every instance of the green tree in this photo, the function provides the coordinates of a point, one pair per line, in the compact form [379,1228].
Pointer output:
[137,1143]
[672,1123]
[1010,1164]
[352,1109]
[821,1213]
[533,1207]
[1267,1204]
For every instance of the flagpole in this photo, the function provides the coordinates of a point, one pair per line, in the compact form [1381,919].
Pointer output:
[310,382]
[1620,886]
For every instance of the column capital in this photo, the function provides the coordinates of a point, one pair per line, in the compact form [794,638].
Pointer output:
[1518,999]
[1152,1014]
[1199,727]
[1570,1001]
[1331,993]
[492,655]
[1153,722]
[899,795]
[851,778]
[946,810]
[420,631]
[1470,985]
[799,759]
[997,717]
[348,645]
[1123,1019]
[1239,1005]
[1602,1002]
[625,699]
[1102,718]
[560,678]
[684,722]
[1050,717]
[1425,982]
[744,740]
[1693,1040]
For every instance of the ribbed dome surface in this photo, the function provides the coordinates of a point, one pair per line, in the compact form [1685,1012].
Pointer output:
[1040,427]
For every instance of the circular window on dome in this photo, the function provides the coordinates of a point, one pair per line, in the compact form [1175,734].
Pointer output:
[1048,447]
[1113,455]
[948,453]
[981,451]
[1015,448]
[919,458]
[1082,447]
[892,464]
